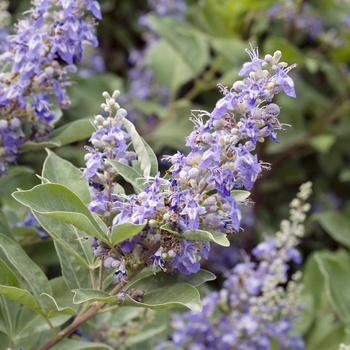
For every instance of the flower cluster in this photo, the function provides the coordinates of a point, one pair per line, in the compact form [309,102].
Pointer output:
[46,45]
[196,192]
[253,310]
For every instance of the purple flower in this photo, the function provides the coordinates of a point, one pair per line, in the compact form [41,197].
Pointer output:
[285,81]
[252,66]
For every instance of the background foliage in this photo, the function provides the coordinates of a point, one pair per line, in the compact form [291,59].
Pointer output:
[187,59]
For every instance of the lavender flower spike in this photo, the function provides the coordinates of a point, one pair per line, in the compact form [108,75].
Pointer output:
[40,58]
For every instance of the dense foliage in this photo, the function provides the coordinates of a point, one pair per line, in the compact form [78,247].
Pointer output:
[204,137]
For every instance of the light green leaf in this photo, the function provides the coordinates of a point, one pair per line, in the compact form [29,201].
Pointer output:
[24,267]
[79,345]
[325,334]
[152,158]
[22,296]
[7,276]
[72,132]
[322,143]
[150,281]
[129,174]
[200,235]
[57,201]
[139,147]
[168,65]
[51,308]
[72,240]
[75,274]
[31,328]
[337,225]
[35,146]
[58,170]
[288,49]
[240,195]
[335,269]
[91,295]
[189,43]
[175,296]
[124,231]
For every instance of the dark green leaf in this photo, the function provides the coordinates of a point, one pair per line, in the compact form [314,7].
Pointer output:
[58,170]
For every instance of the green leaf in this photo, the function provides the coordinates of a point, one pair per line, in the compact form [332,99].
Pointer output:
[57,201]
[336,225]
[7,276]
[79,345]
[62,293]
[174,128]
[139,147]
[124,231]
[149,281]
[72,132]
[51,308]
[314,283]
[91,295]
[24,267]
[129,174]
[4,226]
[58,170]
[32,330]
[240,195]
[75,274]
[72,240]
[200,235]
[225,47]
[35,146]
[335,269]
[175,296]
[326,334]
[169,67]
[189,43]
[152,159]
[22,296]
[322,143]
[290,52]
